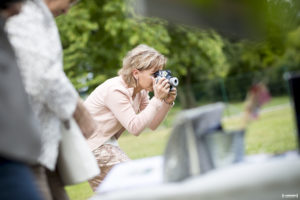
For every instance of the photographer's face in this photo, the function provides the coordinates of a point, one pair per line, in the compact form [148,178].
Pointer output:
[145,78]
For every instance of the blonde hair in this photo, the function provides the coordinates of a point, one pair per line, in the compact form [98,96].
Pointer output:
[141,57]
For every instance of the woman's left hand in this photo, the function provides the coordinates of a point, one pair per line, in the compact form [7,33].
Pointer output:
[171,96]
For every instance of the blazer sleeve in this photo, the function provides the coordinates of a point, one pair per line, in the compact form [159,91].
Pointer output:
[160,116]
[119,103]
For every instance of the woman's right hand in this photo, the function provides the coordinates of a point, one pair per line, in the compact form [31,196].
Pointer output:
[161,88]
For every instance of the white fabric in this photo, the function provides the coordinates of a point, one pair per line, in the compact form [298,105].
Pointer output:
[35,37]
[76,162]
[112,141]
[263,179]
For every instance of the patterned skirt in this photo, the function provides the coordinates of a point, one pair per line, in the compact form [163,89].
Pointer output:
[107,156]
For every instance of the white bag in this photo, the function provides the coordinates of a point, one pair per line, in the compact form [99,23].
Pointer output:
[76,162]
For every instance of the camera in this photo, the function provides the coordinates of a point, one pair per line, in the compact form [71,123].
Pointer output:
[173,81]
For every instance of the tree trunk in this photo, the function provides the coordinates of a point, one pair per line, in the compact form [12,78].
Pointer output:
[186,93]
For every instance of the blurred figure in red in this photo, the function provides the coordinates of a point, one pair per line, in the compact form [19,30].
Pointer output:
[256,97]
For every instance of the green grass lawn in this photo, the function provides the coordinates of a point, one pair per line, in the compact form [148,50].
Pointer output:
[274,132]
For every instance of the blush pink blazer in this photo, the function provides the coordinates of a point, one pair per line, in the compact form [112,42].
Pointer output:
[113,108]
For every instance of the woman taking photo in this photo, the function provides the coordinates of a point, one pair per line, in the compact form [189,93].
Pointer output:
[123,103]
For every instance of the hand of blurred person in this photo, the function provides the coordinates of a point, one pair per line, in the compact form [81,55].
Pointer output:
[161,88]
[171,96]
[84,120]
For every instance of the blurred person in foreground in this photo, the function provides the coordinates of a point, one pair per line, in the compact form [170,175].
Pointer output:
[20,141]
[35,38]
[123,103]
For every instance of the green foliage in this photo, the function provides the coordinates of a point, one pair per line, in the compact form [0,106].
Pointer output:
[97,34]
[195,55]
[104,31]
[280,21]
[198,51]
[291,58]
[75,31]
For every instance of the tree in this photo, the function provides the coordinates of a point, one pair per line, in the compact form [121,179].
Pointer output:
[97,34]
[195,56]
[96,42]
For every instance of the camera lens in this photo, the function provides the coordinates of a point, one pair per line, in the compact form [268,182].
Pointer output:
[174,81]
